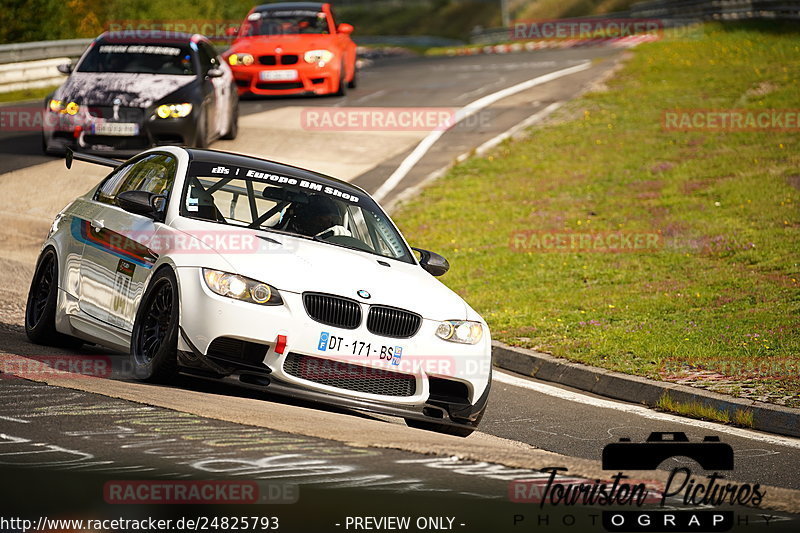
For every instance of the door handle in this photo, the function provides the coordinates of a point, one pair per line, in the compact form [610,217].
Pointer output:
[98,224]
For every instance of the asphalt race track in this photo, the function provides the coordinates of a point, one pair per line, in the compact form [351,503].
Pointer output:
[96,428]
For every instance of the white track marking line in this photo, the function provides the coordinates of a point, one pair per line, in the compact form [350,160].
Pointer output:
[11,419]
[467,111]
[644,412]
[494,141]
[410,192]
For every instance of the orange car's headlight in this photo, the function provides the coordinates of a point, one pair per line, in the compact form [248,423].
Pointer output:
[320,57]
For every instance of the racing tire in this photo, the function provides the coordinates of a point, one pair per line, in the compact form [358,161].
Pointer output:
[353,83]
[342,90]
[154,342]
[233,126]
[40,308]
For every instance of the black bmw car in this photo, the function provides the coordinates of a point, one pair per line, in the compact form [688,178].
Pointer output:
[131,91]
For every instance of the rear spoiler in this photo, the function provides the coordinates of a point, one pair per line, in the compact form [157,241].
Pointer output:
[96,159]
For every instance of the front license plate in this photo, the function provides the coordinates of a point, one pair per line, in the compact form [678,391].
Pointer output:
[344,345]
[119,129]
[278,75]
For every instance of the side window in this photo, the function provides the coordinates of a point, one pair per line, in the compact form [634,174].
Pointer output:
[108,188]
[154,173]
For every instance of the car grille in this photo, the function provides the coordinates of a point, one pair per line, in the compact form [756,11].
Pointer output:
[118,143]
[350,377]
[280,85]
[391,322]
[332,310]
[288,59]
[124,114]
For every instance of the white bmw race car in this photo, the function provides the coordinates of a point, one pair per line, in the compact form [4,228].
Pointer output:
[278,278]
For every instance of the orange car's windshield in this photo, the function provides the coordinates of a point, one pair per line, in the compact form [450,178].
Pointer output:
[286,22]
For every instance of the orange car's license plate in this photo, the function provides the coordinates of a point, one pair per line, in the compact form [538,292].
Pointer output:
[278,75]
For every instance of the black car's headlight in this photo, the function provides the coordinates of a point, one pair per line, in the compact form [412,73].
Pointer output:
[460,331]
[241,288]
[173,110]
[58,106]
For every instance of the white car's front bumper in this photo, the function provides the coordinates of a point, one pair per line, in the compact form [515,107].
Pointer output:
[308,367]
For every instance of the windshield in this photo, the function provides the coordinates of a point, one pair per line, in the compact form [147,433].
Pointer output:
[140,58]
[285,21]
[251,198]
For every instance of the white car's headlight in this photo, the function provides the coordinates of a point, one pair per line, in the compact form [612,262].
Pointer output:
[320,57]
[240,59]
[173,110]
[241,288]
[461,331]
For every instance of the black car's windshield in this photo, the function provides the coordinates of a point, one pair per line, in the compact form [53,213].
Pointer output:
[140,58]
[245,197]
[286,22]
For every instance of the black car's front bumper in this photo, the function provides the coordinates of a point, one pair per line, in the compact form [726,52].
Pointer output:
[152,132]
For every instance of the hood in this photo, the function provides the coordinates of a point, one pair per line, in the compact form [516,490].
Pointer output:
[133,90]
[299,265]
[289,44]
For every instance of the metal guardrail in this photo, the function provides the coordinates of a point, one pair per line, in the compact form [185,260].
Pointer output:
[31,74]
[19,52]
[718,9]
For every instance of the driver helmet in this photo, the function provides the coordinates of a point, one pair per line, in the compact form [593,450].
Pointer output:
[314,217]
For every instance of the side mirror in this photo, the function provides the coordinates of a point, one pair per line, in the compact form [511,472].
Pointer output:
[214,73]
[232,31]
[345,28]
[432,262]
[65,68]
[143,203]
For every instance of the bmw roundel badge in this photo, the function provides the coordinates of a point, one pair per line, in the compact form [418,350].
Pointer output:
[364,294]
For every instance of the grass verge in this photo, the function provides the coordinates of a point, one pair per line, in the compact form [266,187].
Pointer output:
[717,302]
[26,94]
[740,417]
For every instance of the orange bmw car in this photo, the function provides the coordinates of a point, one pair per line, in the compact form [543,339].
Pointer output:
[293,48]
